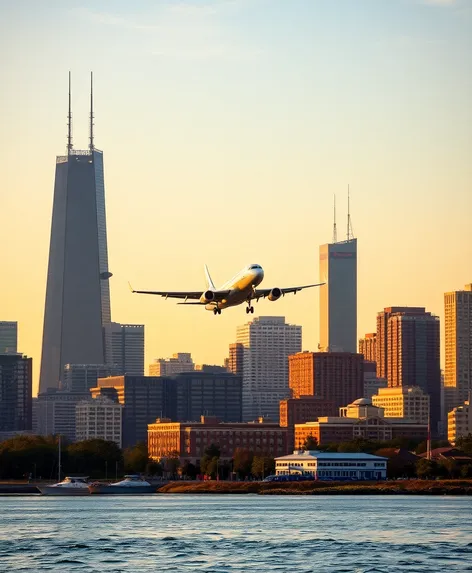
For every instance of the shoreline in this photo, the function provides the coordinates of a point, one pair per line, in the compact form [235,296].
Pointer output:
[462,487]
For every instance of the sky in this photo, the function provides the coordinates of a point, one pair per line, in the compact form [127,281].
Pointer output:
[227,128]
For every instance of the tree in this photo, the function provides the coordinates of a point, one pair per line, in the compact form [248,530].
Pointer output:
[154,469]
[358,445]
[425,468]
[92,457]
[262,466]
[242,462]
[464,443]
[136,458]
[209,461]
[310,443]
[21,456]
[172,464]
[189,470]
[423,446]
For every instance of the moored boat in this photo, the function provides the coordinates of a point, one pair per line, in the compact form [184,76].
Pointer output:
[131,485]
[71,485]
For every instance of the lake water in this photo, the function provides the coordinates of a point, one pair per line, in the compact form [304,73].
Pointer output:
[233,534]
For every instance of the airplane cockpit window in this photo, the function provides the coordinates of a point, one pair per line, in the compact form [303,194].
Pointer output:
[252,267]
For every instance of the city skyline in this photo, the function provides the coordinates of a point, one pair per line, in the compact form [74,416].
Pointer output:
[195,104]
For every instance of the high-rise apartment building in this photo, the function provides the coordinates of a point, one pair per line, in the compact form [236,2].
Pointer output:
[338,296]
[459,422]
[368,346]
[236,358]
[8,336]
[458,346]
[77,293]
[124,347]
[408,353]
[334,376]
[54,412]
[99,419]
[267,342]
[16,372]
[177,363]
[406,402]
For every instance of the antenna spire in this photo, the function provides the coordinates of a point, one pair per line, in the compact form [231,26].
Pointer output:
[91,144]
[335,232]
[69,122]
[350,232]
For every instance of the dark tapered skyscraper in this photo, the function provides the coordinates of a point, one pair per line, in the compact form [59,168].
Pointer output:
[77,294]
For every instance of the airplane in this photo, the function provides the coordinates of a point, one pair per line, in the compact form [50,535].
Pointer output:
[240,289]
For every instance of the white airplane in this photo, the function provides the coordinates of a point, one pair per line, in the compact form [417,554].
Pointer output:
[241,288]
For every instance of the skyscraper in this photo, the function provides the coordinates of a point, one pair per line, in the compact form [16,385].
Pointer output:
[368,346]
[408,353]
[77,293]
[8,336]
[338,296]
[179,362]
[268,341]
[458,328]
[124,347]
[15,392]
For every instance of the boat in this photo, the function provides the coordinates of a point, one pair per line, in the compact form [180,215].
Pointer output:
[71,485]
[130,485]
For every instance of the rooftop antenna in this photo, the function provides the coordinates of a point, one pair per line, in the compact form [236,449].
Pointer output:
[91,145]
[335,233]
[69,124]
[350,232]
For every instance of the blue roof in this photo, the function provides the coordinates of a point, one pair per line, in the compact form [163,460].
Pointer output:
[313,454]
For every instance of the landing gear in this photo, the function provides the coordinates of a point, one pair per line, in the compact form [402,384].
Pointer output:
[216,310]
[249,309]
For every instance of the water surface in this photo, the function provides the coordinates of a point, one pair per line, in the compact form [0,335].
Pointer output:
[236,533]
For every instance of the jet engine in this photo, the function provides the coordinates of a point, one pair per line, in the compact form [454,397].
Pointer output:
[275,294]
[208,296]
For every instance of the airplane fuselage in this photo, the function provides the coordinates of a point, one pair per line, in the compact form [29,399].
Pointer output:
[241,288]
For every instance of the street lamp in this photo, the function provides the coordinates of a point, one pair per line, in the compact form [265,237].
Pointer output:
[106,469]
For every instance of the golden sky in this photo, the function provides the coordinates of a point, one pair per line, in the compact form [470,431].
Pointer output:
[227,126]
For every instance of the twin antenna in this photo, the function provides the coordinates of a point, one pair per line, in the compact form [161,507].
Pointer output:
[69,118]
[350,232]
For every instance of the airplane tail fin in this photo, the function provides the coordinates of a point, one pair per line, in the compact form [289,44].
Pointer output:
[209,282]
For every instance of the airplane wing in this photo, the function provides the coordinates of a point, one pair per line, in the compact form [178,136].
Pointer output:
[263,292]
[186,295]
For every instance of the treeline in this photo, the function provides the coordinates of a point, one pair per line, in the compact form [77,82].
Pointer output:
[37,457]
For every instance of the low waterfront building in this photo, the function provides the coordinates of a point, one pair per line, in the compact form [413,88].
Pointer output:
[99,418]
[332,465]
[361,419]
[408,402]
[459,422]
[189,440]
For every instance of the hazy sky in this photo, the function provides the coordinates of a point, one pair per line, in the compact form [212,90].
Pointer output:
[227,126]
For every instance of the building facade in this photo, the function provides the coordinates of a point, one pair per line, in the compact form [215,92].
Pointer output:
[335,376]
[267,343]
[189,440]
[8,337]
[459,422]
[408,347]
[201,393]
[406,402]
[16,386]
[124,347]
[338,296]
[458,347]
[361,419]
[368,346]
[54,413]
[236,358]
[179,362]
[332,466]
[77,293]
[99,419]
[82,377]
[305,409]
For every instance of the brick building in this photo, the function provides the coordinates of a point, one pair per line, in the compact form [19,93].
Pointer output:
[189,440]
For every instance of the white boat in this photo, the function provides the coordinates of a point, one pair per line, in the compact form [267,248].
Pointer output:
[132,484]
[71,485]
